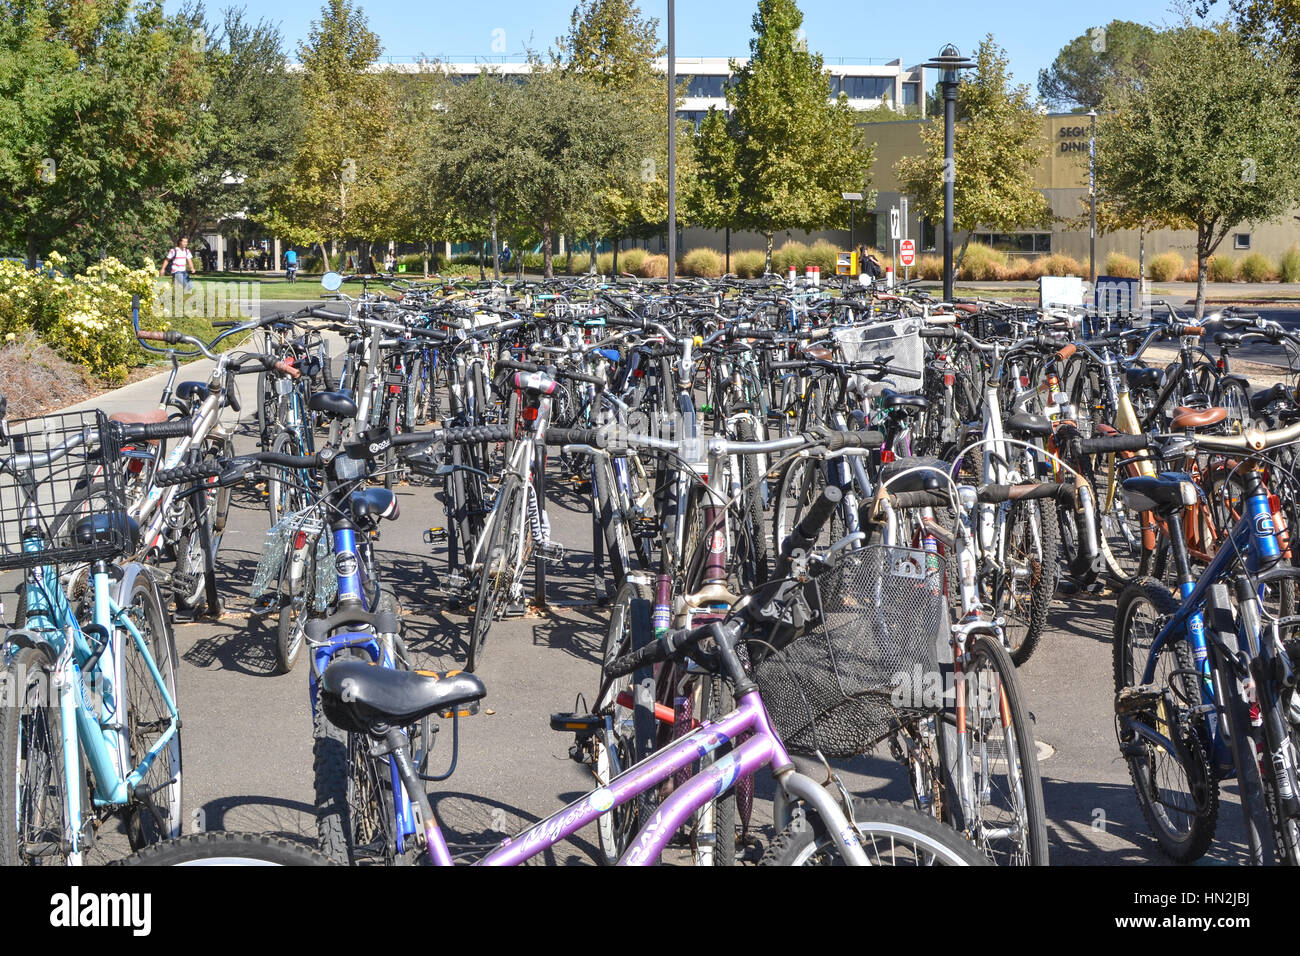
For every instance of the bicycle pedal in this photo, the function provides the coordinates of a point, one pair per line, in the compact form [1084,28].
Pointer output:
[552,552]
[1136,699]
[435,535]
[267,604]
[455,583]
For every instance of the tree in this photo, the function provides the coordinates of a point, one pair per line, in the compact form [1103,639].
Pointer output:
[1093,62]
[342,178]
[1276,22]
[612,48]
[996,151]
[715,197]
[255,121]
[564,140]
[1211,138]
[796,152]
[99,124]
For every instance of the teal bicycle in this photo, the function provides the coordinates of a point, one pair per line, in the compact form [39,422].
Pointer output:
[90,730]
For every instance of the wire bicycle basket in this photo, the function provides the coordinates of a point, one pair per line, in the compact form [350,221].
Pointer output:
[870,667]
[62,498]
[279,542]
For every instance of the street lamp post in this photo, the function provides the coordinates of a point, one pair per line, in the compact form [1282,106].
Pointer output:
[851,198]
[1092,198]
[948,63]
[672,146]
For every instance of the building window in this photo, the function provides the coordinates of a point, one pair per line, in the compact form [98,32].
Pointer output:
[864,87]
[695,116]
[1241,240]
[911,93]
[708,86]
[1016,241]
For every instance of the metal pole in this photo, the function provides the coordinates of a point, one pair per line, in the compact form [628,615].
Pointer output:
[672,145]
[1092,199]
[949,174]
[851,246]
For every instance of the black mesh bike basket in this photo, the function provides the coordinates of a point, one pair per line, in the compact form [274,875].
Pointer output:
[870,666]
[70,509]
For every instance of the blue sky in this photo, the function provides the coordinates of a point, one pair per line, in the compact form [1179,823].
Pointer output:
[1032,31]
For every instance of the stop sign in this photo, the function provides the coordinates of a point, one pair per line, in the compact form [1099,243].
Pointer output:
[907,252]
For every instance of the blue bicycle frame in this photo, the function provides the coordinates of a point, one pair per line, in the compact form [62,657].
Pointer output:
[1255,537]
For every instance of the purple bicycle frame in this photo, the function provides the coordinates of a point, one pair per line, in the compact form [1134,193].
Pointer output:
[762,748]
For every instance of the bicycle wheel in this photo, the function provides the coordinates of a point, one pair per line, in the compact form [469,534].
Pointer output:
[616,746]
[354,799]
[717,818]
[752,552]
[1231,395]
[222,848]
[33,798]
[506,551]
[284,492]
[1009,820]
[147,714]
[297,606]
[892,835]
[1025,589]
[1178,795]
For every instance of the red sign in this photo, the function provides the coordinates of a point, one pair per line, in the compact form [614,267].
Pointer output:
[907,252]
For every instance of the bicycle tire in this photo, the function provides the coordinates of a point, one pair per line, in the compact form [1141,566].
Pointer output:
[752,555]
[226,848]
[147,712]
[1018,804]
[1023,631]
[886,829]
[354,809]
[508,538]
[616,827]
[283,495]
[1188,837]
[31,763]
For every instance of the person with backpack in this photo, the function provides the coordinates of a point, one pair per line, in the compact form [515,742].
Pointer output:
[179,263]
[291,265]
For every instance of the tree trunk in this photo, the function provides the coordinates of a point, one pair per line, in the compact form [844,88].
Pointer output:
[613,268]
[496,248]
[591,262]
[1142,257]
[961,254]
[1203,250]
[767,263]
[427,243]
[31,249]
[726,270]
[548,265]
[324,257]
[481,273]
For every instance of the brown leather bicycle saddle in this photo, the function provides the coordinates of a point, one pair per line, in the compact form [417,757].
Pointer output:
[1185,417]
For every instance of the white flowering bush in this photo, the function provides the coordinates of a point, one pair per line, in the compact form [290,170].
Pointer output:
[85,318]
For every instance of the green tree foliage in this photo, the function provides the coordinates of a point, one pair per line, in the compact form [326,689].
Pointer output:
[255,121]
[795,151]
[342,178]
[1094,62]
[1211,138]
[996,148]
[99,126]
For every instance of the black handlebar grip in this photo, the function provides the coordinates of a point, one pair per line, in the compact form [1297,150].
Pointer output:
[579,377]
[920,499]
[518,366]
[327,315]
[183,474]
[868,438]
[805,532]
[657,650]
[932,332]
[475,434]
[224,324]
[1105,444]
[573,436]
[154,431]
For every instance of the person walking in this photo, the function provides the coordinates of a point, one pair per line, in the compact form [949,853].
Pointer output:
[179,263]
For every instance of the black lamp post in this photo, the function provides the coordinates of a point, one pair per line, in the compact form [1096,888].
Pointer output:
[949,62]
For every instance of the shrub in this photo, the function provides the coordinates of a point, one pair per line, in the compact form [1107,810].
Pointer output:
[630,261]
[748,263]
[1223,269]
[1021,268]
[1255,267]
[1059,264]
[650,267]
[605,263]
[1288,267]
[1120,265]
[790,254]
[1165,267]
[825,255]
[981,263]
[705,263]
[929,267]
